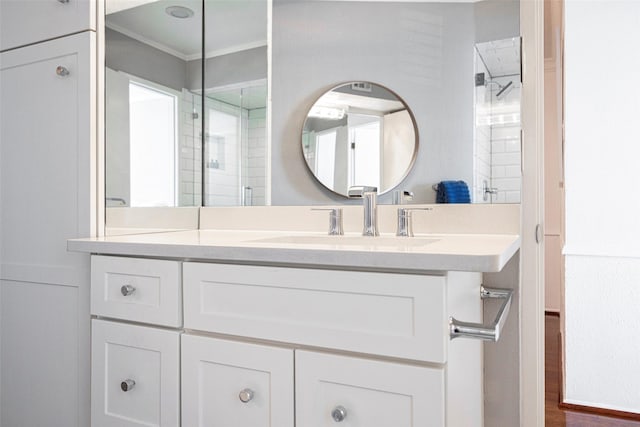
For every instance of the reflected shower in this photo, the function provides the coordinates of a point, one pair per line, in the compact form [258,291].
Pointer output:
[503,90]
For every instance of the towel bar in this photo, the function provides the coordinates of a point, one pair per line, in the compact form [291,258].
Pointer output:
[490,332]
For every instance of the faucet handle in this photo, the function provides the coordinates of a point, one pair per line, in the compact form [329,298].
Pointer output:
[402,196]
[405,225]
[360,190]
[335,220]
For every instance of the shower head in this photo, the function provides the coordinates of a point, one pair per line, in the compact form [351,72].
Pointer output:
[504,90]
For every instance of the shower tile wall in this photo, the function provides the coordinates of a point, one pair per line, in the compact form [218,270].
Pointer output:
[223,184]
[482,146]
[189,155]
[256,165]
[505,143]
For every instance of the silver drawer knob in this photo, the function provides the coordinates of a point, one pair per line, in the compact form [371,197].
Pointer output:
[127,385]
[246,395]
[63,1]
[127,290]
[338,414]
[62,71]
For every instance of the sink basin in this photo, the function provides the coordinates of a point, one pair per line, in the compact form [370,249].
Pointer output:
[397,242]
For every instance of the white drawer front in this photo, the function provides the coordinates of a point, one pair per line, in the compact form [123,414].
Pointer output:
[215,373]
[397,315]
[25,22]
[366,393]
[148,359]
[153,295]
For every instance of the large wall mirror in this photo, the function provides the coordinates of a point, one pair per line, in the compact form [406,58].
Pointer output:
[186,123]
[185,114]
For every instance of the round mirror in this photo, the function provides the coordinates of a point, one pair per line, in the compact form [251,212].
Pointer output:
[359,134]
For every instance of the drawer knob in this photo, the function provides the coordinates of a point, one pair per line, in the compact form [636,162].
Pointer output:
[62,71]
[127,290]
[338,414]
[63,1]
[246,395]
[127,385]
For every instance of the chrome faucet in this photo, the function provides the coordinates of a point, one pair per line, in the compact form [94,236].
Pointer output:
[369,202]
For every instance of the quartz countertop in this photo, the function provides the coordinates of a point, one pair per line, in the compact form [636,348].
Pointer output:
[440,252]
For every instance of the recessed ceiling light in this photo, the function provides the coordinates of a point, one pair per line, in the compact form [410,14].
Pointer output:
[180,12]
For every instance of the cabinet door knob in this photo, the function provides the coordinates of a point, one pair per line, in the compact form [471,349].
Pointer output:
[127,290]
[127,385]
[245,395]
[338,414]
[62,71]
[63,1]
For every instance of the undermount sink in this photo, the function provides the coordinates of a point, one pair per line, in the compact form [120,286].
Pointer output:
[398,242]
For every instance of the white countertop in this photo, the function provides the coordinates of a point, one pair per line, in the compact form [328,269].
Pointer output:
[448,252]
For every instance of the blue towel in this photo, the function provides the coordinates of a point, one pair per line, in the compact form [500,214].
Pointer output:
[453,192]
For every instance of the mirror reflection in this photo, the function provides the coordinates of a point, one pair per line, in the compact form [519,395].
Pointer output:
[156,125]
[429,52]
[359,134]
[153,53]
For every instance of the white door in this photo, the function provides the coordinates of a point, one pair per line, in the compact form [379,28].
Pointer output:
[135,376]
[234,384]
[46,193]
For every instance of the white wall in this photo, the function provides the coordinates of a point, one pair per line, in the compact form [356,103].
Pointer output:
[602,289]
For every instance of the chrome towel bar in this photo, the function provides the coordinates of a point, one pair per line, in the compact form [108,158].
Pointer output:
[490,332]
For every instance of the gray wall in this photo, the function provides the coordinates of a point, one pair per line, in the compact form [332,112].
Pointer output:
[131,56]
[423,52]
[243,66]
[497,20]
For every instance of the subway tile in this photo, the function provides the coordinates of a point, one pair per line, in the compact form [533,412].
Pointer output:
[506,184]
[505,159]
[513,171]
[512,197]
[505,132]
[498,171]
[497,147]
[512,145]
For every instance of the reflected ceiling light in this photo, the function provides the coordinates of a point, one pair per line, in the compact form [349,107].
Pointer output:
[179,12]
[327,112]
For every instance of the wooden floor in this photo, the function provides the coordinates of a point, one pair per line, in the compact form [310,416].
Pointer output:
[554,416]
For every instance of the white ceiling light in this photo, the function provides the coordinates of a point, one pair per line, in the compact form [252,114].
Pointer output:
[180,12]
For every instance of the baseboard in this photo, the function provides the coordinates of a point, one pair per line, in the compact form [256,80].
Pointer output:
[552,313]
[600,411]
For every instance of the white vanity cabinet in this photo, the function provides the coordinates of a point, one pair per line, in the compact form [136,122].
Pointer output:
[24,22]
[278,346]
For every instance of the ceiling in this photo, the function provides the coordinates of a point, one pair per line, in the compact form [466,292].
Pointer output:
[501,57]
[231,25]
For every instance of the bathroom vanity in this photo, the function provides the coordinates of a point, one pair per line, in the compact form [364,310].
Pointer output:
[288,328]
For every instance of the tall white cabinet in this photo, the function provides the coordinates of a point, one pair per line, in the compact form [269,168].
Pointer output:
[47,195]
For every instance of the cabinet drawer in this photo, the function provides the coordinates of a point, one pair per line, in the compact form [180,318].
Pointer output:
[135,376]
[232,384]
[25,22]
[397,315]
[366,393]
[143,290]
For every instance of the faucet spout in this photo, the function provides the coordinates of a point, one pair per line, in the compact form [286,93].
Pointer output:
[370,205]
